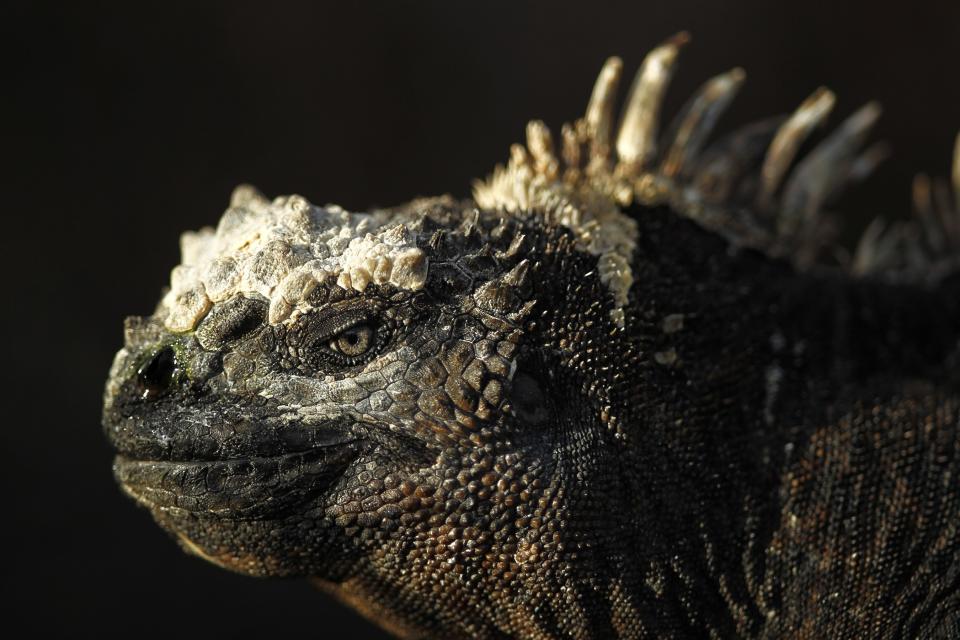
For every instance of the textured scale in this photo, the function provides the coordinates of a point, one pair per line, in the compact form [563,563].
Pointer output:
[631,388]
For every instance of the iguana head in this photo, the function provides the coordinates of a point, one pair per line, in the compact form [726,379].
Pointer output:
[318,385]
[316,379]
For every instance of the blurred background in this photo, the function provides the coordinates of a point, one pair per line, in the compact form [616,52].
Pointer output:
[127,123]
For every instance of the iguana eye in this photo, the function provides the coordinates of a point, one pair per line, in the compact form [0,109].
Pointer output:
[349,339]
[353,342]
[335,338]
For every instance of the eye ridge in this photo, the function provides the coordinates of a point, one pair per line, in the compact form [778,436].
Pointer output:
[331,327]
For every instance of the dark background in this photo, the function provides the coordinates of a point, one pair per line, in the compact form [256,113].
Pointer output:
[126,124]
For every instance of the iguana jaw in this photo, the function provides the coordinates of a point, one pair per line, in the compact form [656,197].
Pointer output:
[246,503]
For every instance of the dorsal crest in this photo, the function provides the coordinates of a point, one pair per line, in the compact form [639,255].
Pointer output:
[755,186]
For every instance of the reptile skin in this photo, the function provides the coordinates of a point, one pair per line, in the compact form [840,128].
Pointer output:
[630,389]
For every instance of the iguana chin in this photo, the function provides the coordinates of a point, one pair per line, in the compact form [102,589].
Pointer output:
[619,392]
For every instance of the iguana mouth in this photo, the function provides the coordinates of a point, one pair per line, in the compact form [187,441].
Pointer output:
[238,488]
[226,460]
[185,428]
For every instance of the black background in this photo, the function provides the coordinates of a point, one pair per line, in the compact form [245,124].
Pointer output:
[126,124]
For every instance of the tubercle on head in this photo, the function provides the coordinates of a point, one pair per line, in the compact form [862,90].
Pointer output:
[281,251]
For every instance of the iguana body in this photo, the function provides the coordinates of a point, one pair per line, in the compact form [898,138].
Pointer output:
[612,395]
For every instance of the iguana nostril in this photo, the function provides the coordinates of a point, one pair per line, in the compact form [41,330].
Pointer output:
[156,375]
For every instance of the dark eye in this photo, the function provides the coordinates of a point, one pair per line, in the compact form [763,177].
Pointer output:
[353,342]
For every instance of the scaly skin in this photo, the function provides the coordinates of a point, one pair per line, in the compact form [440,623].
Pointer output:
[502,445]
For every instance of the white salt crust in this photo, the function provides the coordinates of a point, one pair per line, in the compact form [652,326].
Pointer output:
[281,250]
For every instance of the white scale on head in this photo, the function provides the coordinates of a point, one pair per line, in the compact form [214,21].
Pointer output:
[281,250]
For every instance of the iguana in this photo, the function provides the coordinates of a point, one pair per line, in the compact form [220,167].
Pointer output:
[631,388]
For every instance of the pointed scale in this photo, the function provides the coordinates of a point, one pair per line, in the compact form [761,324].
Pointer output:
[825,170]
[786,143]
[698,118]
[636,141]
[599,116]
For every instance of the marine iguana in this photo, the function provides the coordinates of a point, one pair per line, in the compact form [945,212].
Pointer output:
[630,388]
